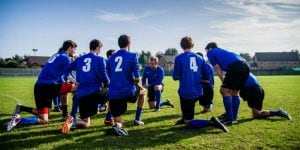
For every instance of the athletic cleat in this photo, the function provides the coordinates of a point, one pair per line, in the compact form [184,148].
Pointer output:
[119,131]
[102,108]
[109,122]
[179,122]
[156,109]
[65,129]
[222,117]
[284,114]
[170,103]
[15,120]
[138,122]
[217,123]
[57,108]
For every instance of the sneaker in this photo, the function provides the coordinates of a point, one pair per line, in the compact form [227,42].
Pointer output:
[108,122]
[13,122]
[119,131]
[138,122]
[222,117]
[217,123]
[103,108]
[170,103]
[284,114]
[156,109]
[179,122]
[65,129]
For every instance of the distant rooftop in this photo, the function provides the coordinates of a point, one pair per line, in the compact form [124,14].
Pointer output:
[276,56]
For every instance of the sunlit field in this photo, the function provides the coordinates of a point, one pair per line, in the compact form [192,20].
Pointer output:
[159,131]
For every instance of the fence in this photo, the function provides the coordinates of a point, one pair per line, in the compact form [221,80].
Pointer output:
[15,72]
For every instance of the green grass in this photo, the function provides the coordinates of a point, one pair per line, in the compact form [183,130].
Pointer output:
[159,131]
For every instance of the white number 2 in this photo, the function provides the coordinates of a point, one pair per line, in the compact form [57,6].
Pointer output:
[119,60]
[87,66]
[193,64]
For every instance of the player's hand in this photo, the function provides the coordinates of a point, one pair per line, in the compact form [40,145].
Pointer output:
[145,85]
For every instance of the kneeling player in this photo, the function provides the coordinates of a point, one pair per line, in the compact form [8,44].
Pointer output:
[46,88]
[154,74]
[254,94]
[91,74]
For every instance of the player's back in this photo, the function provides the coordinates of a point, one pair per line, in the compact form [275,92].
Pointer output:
[122,69]
[223,57]
[52,70]
[90,73]
[188,70]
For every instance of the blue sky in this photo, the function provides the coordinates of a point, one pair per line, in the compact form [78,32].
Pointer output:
[155,25]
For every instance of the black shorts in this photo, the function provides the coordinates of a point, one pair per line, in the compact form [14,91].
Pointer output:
[207,97]
[151,93]
[236,75]
[44,93]
[254,96]
[118,107]
[188,108]
[88,105]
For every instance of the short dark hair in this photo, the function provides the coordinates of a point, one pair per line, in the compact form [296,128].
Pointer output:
[211,45]
[200,54]
[123,41]
[186,42]
[94,44]
[66,45]
[109,53]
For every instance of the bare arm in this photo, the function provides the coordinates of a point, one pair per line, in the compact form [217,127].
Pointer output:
[219,72]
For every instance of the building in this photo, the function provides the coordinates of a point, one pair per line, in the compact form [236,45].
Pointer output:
[276,60]
[167,62]
[36,61]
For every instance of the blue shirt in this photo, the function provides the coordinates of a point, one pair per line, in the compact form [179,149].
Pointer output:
[154,76]
[53,69]
[251,81]
[223,57]
[208,75]
[122,69]
[90,73]
[188,69]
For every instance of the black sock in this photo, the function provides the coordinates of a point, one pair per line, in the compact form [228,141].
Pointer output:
[64,109]
[26,109]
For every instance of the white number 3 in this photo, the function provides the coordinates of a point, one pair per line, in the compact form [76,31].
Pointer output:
[87,66]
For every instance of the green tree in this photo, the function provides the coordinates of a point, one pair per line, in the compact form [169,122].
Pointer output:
[159,55]
[171,52]
[144,58]
[247,56]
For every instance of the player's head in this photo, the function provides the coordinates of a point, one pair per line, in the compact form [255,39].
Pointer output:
[69,47]
[200,54]
[186,43]
[124,41]
[109,53]
[211,45]
[153,62]
[95,46]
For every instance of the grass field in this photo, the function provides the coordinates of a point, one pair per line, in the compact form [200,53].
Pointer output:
[159,131]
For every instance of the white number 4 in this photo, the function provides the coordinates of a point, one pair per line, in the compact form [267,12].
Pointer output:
[193,64]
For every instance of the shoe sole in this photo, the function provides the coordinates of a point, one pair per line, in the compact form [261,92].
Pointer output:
[65,127]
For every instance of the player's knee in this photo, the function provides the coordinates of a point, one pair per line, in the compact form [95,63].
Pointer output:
[157,87]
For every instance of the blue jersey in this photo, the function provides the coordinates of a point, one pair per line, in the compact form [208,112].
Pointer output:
[53,69]
[208,75]
[90,73]
[122,69]
[223,58]
[154,76]
[188,69]
[251,81]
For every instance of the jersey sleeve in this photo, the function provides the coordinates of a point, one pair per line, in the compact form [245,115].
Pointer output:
[136,67]
[102,71]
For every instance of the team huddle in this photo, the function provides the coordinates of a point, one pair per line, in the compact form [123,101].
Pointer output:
[114,82]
